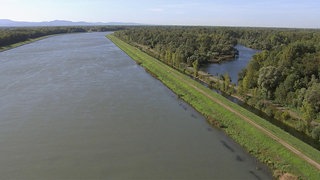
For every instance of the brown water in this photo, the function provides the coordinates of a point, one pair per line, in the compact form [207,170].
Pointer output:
[76,107]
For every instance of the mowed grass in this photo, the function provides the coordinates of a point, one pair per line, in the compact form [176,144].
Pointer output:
[257,143]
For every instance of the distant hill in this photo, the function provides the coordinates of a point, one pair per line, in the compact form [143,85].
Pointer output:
[10,23]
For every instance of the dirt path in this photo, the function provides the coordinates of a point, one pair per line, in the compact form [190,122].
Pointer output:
[250,121]
[264,130]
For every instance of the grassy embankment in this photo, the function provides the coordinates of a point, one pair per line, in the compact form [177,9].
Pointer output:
[267,150]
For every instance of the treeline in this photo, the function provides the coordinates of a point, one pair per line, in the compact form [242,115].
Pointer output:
[182,45]
[283,80]
[9,36]
[273,38]
[176,44]
[287,74]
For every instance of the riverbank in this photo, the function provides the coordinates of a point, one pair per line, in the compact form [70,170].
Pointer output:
[238,123]
[6,48]
[12,37]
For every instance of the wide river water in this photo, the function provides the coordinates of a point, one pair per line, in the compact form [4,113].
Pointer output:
[232,67]
[76,107]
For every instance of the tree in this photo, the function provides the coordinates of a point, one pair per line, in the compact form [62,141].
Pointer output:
[268,80]
[308,113]
[316,133]
[227,82]
[280,94]
[195,65]
[312,97]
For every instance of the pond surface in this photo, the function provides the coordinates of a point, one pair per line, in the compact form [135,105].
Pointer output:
[232,67]
[76,107]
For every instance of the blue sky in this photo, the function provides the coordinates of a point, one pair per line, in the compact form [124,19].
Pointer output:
[265,13]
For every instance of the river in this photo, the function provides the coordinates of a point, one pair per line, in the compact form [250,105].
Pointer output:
[76,107]
[232,67]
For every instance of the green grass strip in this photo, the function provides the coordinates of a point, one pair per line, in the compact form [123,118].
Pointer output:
[257,143]
[5,48]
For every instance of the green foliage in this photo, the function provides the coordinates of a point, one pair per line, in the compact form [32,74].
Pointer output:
[268,80]
[175,45]
[195,65]
[253,140]
[281,93]
[312,96]
[316,133]
[9,36]
[308,113]
[287,72]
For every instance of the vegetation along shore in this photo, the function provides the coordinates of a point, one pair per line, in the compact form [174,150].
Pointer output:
[282,152]
[11,37]
[282,80]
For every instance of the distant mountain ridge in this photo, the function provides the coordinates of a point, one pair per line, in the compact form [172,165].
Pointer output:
[10,23]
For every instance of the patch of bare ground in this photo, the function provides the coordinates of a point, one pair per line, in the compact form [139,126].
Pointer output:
[288,176]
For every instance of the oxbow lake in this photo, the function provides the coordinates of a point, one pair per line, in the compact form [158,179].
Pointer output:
[76,107]
[234,66]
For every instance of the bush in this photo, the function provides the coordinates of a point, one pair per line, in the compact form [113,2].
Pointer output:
[285,116]
[316,133]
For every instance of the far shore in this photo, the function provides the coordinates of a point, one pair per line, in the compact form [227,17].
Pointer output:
[12,46]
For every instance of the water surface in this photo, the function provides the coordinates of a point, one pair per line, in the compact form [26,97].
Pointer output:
[76,107]
[232,67]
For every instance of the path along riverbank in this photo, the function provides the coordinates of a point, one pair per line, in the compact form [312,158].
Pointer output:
[279,150]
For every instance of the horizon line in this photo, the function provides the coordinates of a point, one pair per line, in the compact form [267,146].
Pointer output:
[146,24]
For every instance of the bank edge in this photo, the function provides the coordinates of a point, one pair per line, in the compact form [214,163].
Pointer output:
[278,158]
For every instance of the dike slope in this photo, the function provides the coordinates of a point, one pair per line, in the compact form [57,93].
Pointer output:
[282,152]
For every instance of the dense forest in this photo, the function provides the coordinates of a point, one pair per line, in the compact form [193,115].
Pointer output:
[176,45]
[287,73]
[283,80]
[9,36]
